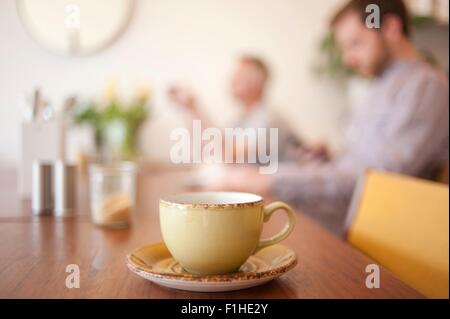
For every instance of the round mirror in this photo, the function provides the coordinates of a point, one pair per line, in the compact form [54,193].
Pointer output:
[75,27]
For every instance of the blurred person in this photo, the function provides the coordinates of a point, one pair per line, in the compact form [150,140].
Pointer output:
[402,127]
[248,87]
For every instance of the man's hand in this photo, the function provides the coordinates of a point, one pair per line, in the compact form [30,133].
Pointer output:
[319,151]
[184,97]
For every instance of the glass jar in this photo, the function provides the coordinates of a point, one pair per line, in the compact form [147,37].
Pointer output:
[113,194]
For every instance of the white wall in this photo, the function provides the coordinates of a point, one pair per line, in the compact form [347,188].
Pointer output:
[193,41]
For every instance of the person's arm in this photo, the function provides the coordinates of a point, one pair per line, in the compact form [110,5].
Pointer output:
[300,184]
[185,98]
[417,131]
[414,132]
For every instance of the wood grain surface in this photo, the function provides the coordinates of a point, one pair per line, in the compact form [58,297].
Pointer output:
[36,250]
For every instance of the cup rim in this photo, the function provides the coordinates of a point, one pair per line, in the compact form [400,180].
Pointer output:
[171,200]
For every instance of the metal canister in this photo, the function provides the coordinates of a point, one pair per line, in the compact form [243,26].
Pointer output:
[65,188]
[42,188]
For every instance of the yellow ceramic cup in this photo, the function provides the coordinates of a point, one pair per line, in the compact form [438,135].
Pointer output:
[215,232]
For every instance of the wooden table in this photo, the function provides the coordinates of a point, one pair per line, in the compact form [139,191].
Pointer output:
[36,250]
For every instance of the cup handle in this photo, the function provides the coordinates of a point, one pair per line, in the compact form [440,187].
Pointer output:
[287,229]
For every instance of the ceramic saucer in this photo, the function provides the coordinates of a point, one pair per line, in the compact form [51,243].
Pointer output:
[155,263]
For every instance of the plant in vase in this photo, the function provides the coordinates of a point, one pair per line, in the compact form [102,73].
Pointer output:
[115,123]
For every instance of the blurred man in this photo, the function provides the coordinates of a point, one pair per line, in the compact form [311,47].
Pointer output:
[248,86]
[402,127]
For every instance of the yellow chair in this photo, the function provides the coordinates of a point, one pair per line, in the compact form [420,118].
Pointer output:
[402,223]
